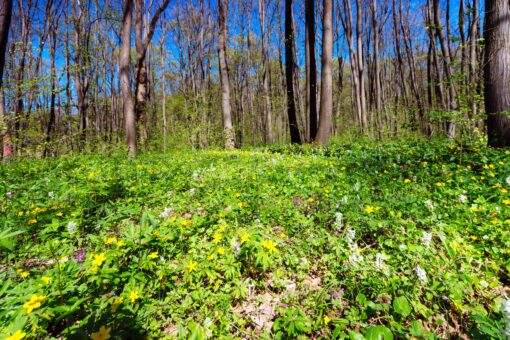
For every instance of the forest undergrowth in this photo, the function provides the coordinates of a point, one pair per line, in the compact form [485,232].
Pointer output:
[359,240]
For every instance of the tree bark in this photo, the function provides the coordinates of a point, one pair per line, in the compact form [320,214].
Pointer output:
[225,84]
[497,71]
[311,70]
[326,109]
[124,65]
[266,76]
[289,74]
[5,23]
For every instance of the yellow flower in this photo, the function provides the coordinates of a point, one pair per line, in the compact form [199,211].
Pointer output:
[221,251]
[191,266]
[121,243]
[111,240]
[32,221]
[24,274]
[474,238]
[33,303]
[217,238]
[504,191]
[153,255]
[59,214]
[342,168]
[186,223]
[269,245]
[245,238]
[369,209]
[20,213]
[506,202]
[241,205]
[440,184]
[18,335]
[327,319]
[99,259]
[46,279]
[133,296]
[102,334]
[118,300]
[211,257]
[407,180]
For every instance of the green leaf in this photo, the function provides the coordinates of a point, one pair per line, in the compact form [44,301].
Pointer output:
[401,306]
[378,333]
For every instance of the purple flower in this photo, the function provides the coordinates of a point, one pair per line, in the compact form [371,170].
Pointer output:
[296,200]
[79,255]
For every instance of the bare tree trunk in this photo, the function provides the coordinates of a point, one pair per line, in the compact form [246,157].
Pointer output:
[311,70]
[472,76]
[124,65]
[53,80]
[225,84]
[377,70]
[142,42]
[5,23]
[289,74]
[326,109]
[497,71]
[266,77]
[163,88]
[452,94]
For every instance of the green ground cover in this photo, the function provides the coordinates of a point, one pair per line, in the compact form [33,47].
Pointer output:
[397,240]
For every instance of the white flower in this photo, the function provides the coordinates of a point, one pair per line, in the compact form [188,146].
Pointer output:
[505,310]
[379,262]
[51,195]
[429,205]
[508,180]
[167,212]
[356,186]
[339,223]
[462,198]
[350,235]
[71,227]
[345,199]
[421,274]
[426,239]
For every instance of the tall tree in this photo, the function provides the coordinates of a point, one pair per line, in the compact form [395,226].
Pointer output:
[124,67]
[267,72]
[497,71]
[289,74]
[5,23]
[326,109]
[225,84]
[311,69]
[142,42]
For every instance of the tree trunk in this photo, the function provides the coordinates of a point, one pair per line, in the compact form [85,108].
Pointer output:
[311,70]
[326,109]
[266,76]
[5,23]
[124,65]
[289,74]
[497,71]
[225,84]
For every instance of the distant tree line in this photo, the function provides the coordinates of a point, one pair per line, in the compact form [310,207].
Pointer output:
[87,75]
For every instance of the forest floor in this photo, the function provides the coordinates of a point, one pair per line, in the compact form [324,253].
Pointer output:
[382,241]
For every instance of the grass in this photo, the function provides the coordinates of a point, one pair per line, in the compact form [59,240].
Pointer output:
[393,240]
